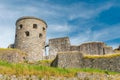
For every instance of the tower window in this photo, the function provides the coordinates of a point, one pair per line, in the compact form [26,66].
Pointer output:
[40,35]
[16,35]
[35,26]
[43,29]
[27,33]
[20,26]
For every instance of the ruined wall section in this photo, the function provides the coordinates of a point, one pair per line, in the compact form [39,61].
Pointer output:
[71,59]
[78,60]
[95,48]
[12,55]
[58,45]
[63,44]
[74,48]
[92,48]
[108,50]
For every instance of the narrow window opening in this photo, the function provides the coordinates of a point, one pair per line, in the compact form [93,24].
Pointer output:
[40,35]
[43,29]
[16,35]
[27,33]
[20,26]
[35,26]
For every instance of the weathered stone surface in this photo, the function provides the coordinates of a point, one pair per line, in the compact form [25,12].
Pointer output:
[12,55]
[58,45]
[92,48]
[108,50]
[77,60]
[63,44]
[31,37]
[79,76]
[68,60]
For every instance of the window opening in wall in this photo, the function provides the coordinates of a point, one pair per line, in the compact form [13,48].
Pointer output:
[40,35]
[35,26]
[20,26]
[27,33]
[16,35]
[43,29]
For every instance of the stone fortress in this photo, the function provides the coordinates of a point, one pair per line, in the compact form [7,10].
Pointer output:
[30,38]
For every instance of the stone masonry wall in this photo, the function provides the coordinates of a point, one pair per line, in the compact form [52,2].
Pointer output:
[30,37]
[11,55]
[78,60]
[58,45]
[63,44]
[108,50]
[92,48]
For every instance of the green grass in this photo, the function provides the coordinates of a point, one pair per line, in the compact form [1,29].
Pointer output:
[27,69]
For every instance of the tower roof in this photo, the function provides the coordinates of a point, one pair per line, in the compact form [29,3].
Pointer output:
[30,17]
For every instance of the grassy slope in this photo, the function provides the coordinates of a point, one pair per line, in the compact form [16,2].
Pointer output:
[30,69]
[27,69]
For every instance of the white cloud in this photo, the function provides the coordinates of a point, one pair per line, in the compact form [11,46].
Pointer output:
[55,13]
[59,28]
[87,11]
[108,33]
[6,36]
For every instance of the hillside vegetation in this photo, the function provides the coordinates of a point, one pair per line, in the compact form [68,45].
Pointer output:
[40,69]
[28,69]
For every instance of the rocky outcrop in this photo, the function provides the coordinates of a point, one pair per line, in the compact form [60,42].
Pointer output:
[78,60]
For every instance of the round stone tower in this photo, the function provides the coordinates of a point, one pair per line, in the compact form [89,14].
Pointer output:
[30,37]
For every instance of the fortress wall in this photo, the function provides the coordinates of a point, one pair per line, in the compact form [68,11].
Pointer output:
[92,48]
[108,50]
[58,45]
[111,63]
[63,44]
[10,55]
[68,60]
[74,48]
[78,60]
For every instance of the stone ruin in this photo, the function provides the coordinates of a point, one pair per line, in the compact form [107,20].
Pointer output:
[63,44]
[30,38]
[78,59]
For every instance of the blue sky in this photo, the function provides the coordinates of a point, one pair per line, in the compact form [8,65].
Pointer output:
[81,20]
